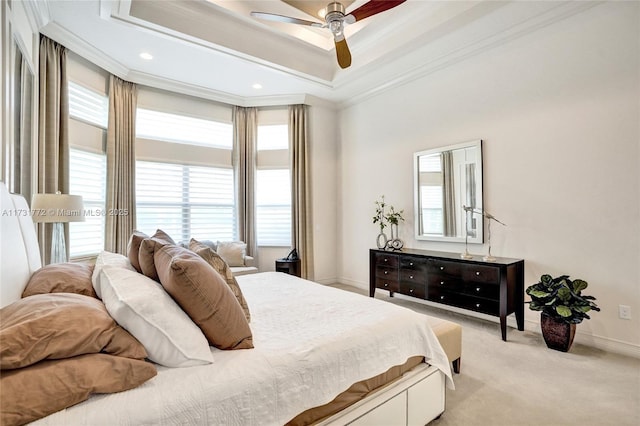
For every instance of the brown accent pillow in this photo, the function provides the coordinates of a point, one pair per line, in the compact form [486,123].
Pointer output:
[61,278]
[203,294]
[46,387]
[213,259]
[148,247]
[133,248]
[60,325]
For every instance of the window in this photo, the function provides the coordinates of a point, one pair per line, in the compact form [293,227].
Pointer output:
[89,113]
[183,129]
[87,177]
[273,207]
[273,183]
[431,194]
[88,105]
[272,137]
[186,201]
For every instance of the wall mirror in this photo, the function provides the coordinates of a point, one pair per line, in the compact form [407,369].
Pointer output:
[448,185]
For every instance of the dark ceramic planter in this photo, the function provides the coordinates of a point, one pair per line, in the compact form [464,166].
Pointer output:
[557,335]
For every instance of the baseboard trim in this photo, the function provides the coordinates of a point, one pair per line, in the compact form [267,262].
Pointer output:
[599,342]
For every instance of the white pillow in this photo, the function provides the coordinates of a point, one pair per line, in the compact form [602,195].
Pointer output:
[232,252]
[144,309]
[108,258]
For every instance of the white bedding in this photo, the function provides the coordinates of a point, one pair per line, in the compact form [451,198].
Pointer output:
[311,343]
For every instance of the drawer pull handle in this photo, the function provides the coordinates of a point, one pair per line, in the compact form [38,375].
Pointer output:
[477,305]
[442,268]
[411,291]
[441,282]
[386,272]
[410,263]
[477,273]
[386,285]
[385,259]
[441,297]
[478,289]
[410,277]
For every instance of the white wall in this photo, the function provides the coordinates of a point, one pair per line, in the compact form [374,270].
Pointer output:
[558,111]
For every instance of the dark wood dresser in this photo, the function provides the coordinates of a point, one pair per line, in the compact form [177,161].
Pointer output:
[493,288]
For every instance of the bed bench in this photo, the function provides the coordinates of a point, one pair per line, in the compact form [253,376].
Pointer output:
[450,336]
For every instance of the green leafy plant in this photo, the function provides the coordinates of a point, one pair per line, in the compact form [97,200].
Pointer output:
[393,217]
[381,218]
[561,298]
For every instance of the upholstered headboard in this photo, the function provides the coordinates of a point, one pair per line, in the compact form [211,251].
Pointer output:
[19,252]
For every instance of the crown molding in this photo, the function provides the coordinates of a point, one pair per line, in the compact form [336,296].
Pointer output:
[39,12]
[88,51]
[213,95]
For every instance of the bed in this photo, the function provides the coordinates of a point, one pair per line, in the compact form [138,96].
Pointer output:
[312,343]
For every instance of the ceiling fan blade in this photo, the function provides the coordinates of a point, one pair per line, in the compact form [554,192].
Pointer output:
[373,7]
[342,52]
[287,19]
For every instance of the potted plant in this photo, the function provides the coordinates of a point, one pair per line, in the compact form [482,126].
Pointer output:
[393,218]
[562,306]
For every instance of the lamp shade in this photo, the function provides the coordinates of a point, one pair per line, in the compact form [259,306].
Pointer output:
[55,208]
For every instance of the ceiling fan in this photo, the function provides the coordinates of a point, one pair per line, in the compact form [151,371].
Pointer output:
[335,20]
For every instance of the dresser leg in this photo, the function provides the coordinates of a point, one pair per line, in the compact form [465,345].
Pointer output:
[503,327]
[520,317]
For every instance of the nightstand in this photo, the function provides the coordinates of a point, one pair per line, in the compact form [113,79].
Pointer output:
[291,267]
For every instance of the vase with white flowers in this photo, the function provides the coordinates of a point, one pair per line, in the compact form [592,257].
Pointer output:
[392,218]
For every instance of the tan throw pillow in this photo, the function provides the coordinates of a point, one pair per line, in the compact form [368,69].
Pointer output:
[41,389]
[133,248]
[232,252]
[61,278]
[60,325]
[212,258]
[203,294]
[148,247]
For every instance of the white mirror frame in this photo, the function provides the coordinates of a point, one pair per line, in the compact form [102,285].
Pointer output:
[460,213]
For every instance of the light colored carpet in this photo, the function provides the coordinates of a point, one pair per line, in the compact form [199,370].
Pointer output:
[522,382]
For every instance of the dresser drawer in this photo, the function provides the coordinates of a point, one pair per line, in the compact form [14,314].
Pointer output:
[413,277]
[415,290]
[385,284]
[445,268]
[482,274]
[387,273]
[413,263]
[445,282]
[477,304]
[390,260]
[486,290]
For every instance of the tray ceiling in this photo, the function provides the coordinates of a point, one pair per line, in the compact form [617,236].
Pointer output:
[215,49]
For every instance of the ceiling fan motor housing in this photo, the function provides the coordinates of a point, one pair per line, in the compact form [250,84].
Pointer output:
[334,18]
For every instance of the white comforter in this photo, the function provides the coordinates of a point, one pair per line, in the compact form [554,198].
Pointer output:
[311,343]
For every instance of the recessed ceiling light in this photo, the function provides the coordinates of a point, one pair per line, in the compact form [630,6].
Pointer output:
[257,86]
[146,56]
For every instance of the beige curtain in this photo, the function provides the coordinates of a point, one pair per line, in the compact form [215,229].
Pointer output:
[53,140]
[301,227]
[121,165]
[448,194]
[245,130]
